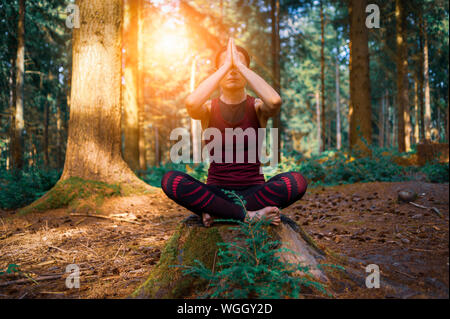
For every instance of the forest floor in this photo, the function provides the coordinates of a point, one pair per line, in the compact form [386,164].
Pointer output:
[115,254]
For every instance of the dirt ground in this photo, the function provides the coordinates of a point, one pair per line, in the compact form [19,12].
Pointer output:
[363,222]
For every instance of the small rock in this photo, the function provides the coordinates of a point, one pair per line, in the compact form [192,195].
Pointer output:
[417,216]
[406,196]
[405,240]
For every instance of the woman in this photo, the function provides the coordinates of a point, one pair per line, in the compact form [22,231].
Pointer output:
[234,109]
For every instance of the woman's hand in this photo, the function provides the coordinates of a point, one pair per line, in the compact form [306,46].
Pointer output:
[234,54]
[228,62]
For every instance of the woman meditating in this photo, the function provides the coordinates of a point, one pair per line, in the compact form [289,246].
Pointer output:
[234,109]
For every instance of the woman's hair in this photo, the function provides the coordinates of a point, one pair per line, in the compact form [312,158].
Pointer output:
[238,48]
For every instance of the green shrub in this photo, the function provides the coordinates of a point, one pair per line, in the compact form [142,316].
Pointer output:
[436,172]
[154,174]
[23,188]
[252,269]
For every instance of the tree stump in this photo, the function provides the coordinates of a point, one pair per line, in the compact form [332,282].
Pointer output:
[194,241]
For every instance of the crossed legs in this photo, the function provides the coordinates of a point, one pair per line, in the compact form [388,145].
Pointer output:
[210,202]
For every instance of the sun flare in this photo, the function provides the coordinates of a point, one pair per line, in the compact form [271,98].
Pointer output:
[171,41]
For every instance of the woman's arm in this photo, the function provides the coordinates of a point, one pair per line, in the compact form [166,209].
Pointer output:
[270,97]
[196,102]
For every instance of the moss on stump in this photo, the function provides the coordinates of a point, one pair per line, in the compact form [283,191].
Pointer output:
[193,241]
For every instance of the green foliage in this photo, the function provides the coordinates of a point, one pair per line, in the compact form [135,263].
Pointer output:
[18,190]
[236,198]
[254,268]
[154,174]
[436,172]
[335,168]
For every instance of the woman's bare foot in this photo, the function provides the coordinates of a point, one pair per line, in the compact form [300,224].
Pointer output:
[271,213]
[207,219]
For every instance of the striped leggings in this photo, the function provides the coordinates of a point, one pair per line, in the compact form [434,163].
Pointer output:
[280,191]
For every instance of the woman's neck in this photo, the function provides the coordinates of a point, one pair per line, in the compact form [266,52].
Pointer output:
[233,97]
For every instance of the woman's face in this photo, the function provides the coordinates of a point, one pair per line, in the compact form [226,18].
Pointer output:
[233,80]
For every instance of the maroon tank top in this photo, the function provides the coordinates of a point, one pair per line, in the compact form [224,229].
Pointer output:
[235,173]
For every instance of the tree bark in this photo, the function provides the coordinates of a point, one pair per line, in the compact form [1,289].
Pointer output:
[157,148]
[381,122]
[59,133]
[360,109]
[141,91]
[130,122]
[388,119]
[421,81]
[275,12]
[322,78]
[195,124]
[427,116]
[19,125]
[416,111]
[94,137]
[45,137]
[338,108]
[12,107]
[446,124]
[404,124]
[319,123]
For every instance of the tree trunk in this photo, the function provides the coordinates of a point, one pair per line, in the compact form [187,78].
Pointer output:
[141,90]
[420,84]
[416,111]
[195,124]
[438,124]
[12,107]
[59,133]
[275,13]
[194,241]
[394,126]
[381,122]
[157,148]
[421,107]
[446,124]
[319,123]
[19,125]
[338,108]
[94,138]
[322,77]
[388,119]
[404,127]
[360,109]
[130,123]
[45,137]
[427,117]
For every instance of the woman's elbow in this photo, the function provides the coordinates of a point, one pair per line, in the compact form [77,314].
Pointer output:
[188,103]
[276,104]
[190,107]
